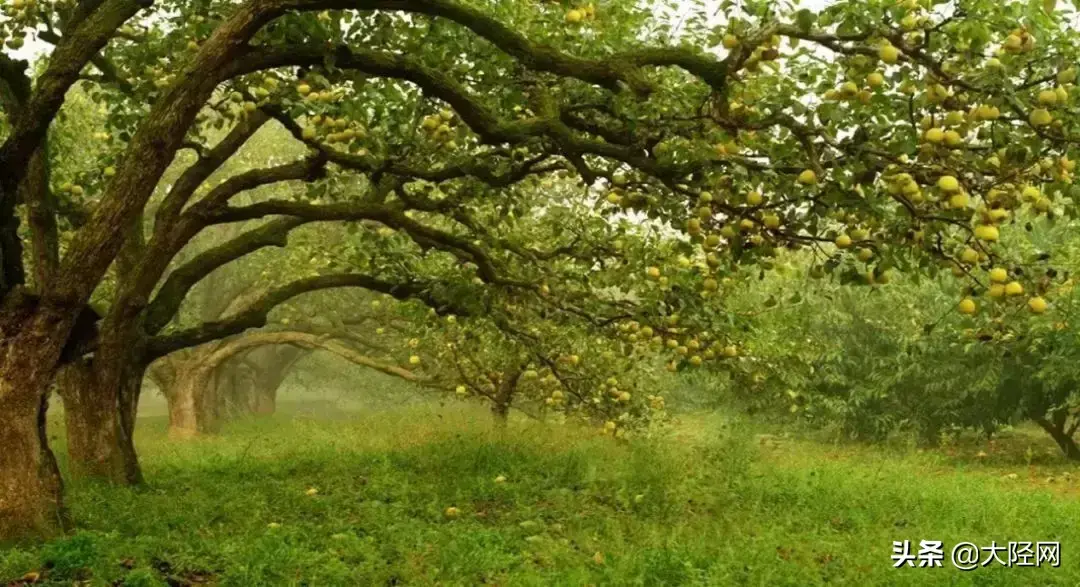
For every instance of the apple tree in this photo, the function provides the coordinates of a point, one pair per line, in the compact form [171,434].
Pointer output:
[885,136]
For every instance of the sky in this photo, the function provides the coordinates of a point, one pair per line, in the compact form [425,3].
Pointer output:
[35,48]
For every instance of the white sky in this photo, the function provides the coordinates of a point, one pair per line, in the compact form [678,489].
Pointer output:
[34,48]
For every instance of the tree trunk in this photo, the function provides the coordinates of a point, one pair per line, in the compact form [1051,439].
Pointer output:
[130,389]
[1064,440]
[272,365]
[184,380]
[265,401]
[184,397]
[504,396]
[31,490]
[501,412]
[99,413]
[92,422]
[210,401]
[31,503]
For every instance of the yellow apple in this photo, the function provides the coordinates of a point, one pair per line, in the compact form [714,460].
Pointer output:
[966,306]
[888,53]
[986,233]
[1040,117]
[948,184]
[1037,305]
[934,135]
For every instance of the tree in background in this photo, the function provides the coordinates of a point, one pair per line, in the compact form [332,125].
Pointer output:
[881,359]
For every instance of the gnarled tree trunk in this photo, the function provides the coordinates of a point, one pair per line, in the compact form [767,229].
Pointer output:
[31,491]
[185,394]
[99,413]
[92,421]
[31,502]
[100,405]
[233,391]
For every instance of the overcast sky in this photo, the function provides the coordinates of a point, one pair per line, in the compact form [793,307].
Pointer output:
[34,48]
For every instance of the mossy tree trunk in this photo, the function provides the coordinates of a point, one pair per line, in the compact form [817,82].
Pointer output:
[31,490]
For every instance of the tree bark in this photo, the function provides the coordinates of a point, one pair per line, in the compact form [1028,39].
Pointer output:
[186,380]
[31,503]
[92,423]
[184,396]
[130,389]
[32,336]
[99,413]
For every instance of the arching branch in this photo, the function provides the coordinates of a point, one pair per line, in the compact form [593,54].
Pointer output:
[392,216]
[171,294]
[609,73]
[255,316]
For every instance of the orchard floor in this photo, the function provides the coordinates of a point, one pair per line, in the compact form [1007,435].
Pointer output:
[361,501]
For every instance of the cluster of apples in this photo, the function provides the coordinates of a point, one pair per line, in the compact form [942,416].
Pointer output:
[866,253]
[850,90]
[23,14]
[440,127]
[581,14]
[310,94]
[546,379]
[694,349]
[1018,41]
[1052,98]
[339,130]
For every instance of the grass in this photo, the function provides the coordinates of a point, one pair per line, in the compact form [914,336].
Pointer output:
[712,504]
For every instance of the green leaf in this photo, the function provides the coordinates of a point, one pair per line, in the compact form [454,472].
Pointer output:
[805,19]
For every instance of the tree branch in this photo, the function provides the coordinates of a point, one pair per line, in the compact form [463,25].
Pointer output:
[256,315]
[85,39]
[171,294]
[391,216]
[208,163]
[609,73]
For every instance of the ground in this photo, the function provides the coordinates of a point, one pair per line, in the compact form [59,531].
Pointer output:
[302,500]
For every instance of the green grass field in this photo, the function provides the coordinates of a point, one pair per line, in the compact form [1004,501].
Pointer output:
[711,503]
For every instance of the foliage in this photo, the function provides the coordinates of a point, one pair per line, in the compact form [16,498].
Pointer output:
[903,134]
[884,359]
